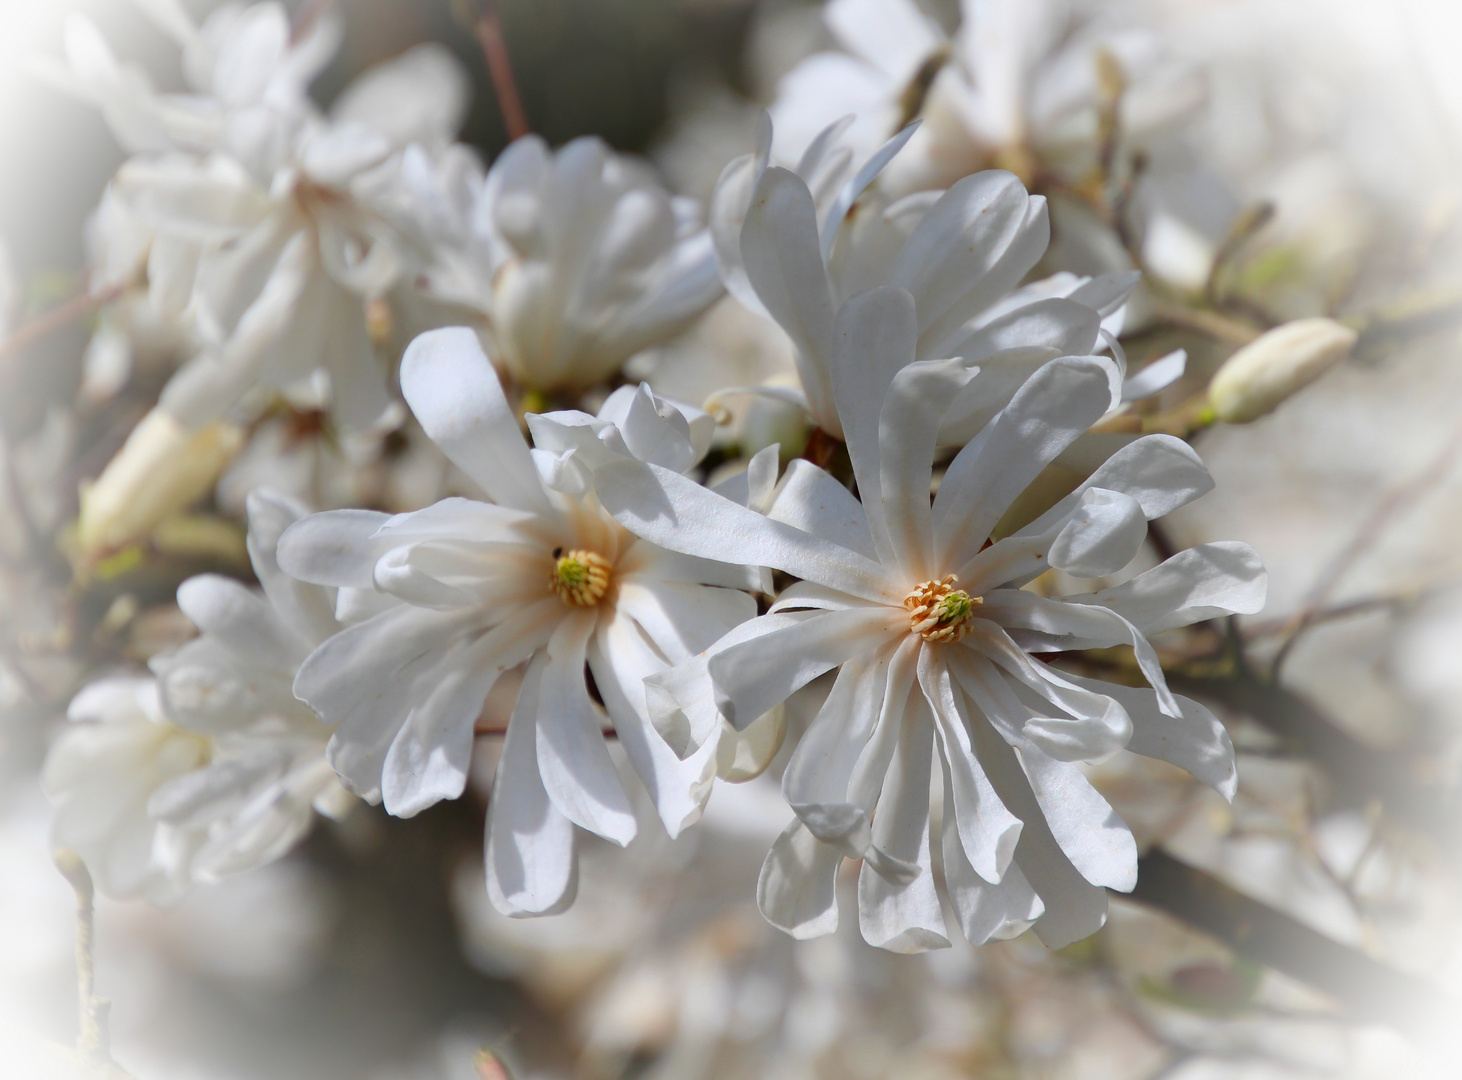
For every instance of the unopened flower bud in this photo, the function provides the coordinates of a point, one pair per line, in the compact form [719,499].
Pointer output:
[161,469]
[1275,365]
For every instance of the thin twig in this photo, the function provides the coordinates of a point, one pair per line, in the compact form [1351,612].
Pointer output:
[500,68]
[310,13]
[1220,327]
[1391,507]
[1254,631]
[15,489]
[1244,225]
[92,1036]
[49,322]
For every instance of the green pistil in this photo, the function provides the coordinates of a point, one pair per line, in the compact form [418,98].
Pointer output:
[571,571]
[954,608]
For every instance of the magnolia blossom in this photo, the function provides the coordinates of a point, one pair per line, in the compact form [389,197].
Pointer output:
[256,209]
[103,771]
[1019,87]
[801,244]
[212,767]
[541,580]
[232,684]
[933,639]
[578,257]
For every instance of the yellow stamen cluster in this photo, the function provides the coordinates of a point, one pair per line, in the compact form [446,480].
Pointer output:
[940,612]
[579,577]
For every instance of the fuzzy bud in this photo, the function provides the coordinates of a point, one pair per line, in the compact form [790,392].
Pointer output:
[1275,365]
[161,469]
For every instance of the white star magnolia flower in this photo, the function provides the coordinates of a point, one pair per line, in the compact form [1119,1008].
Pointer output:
[539,579]
[214,766]
[101,773]
[261,208]
[933,638]
[234,684]
[1018,86]
[961,254]
[578,257]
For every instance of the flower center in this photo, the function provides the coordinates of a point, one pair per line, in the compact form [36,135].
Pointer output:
[579,577]
[940,612]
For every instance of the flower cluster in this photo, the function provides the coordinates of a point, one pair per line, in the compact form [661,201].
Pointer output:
[621,611]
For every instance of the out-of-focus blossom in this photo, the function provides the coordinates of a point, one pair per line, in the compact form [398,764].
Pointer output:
[540,578]
[214,766]
[1020,87]
[800,245]
[578,258]
[233,685]
[253,209]
[254,216]
[897,594]
[1275,366]
[103,771]
[162,468]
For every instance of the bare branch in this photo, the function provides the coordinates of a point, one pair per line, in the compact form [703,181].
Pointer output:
[1367,988]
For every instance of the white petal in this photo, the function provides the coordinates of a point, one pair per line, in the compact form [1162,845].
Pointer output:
[242,620]
[950,255]
[1075,908]
[333,548]
[1055,323]
[764,671]
[859,182]
[455,394]
[809,596]
[577,772]
[892,34]
[682,619]
[643,560]
[1103,534]
[338,153]
[1193,741]
[1089,831]
[621,660]
[532,868]
[782,255]
[1000,377]
[1156,376]
[796,891]
[430,755]
[306,608]
[682,700]
[908,428]
[811,500]
[999,911]
[1100,726]
[820,770]
[677,513]
[420,96]
[873,339]
[904,916]
[1161,472]
[987,830]
[1058,403]
[1203,582]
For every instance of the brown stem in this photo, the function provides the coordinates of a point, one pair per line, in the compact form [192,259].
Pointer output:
[1367,988]
[310,13]
[49,322]
[500,69]
[1387,511]
[1361,773]
[1217,326]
